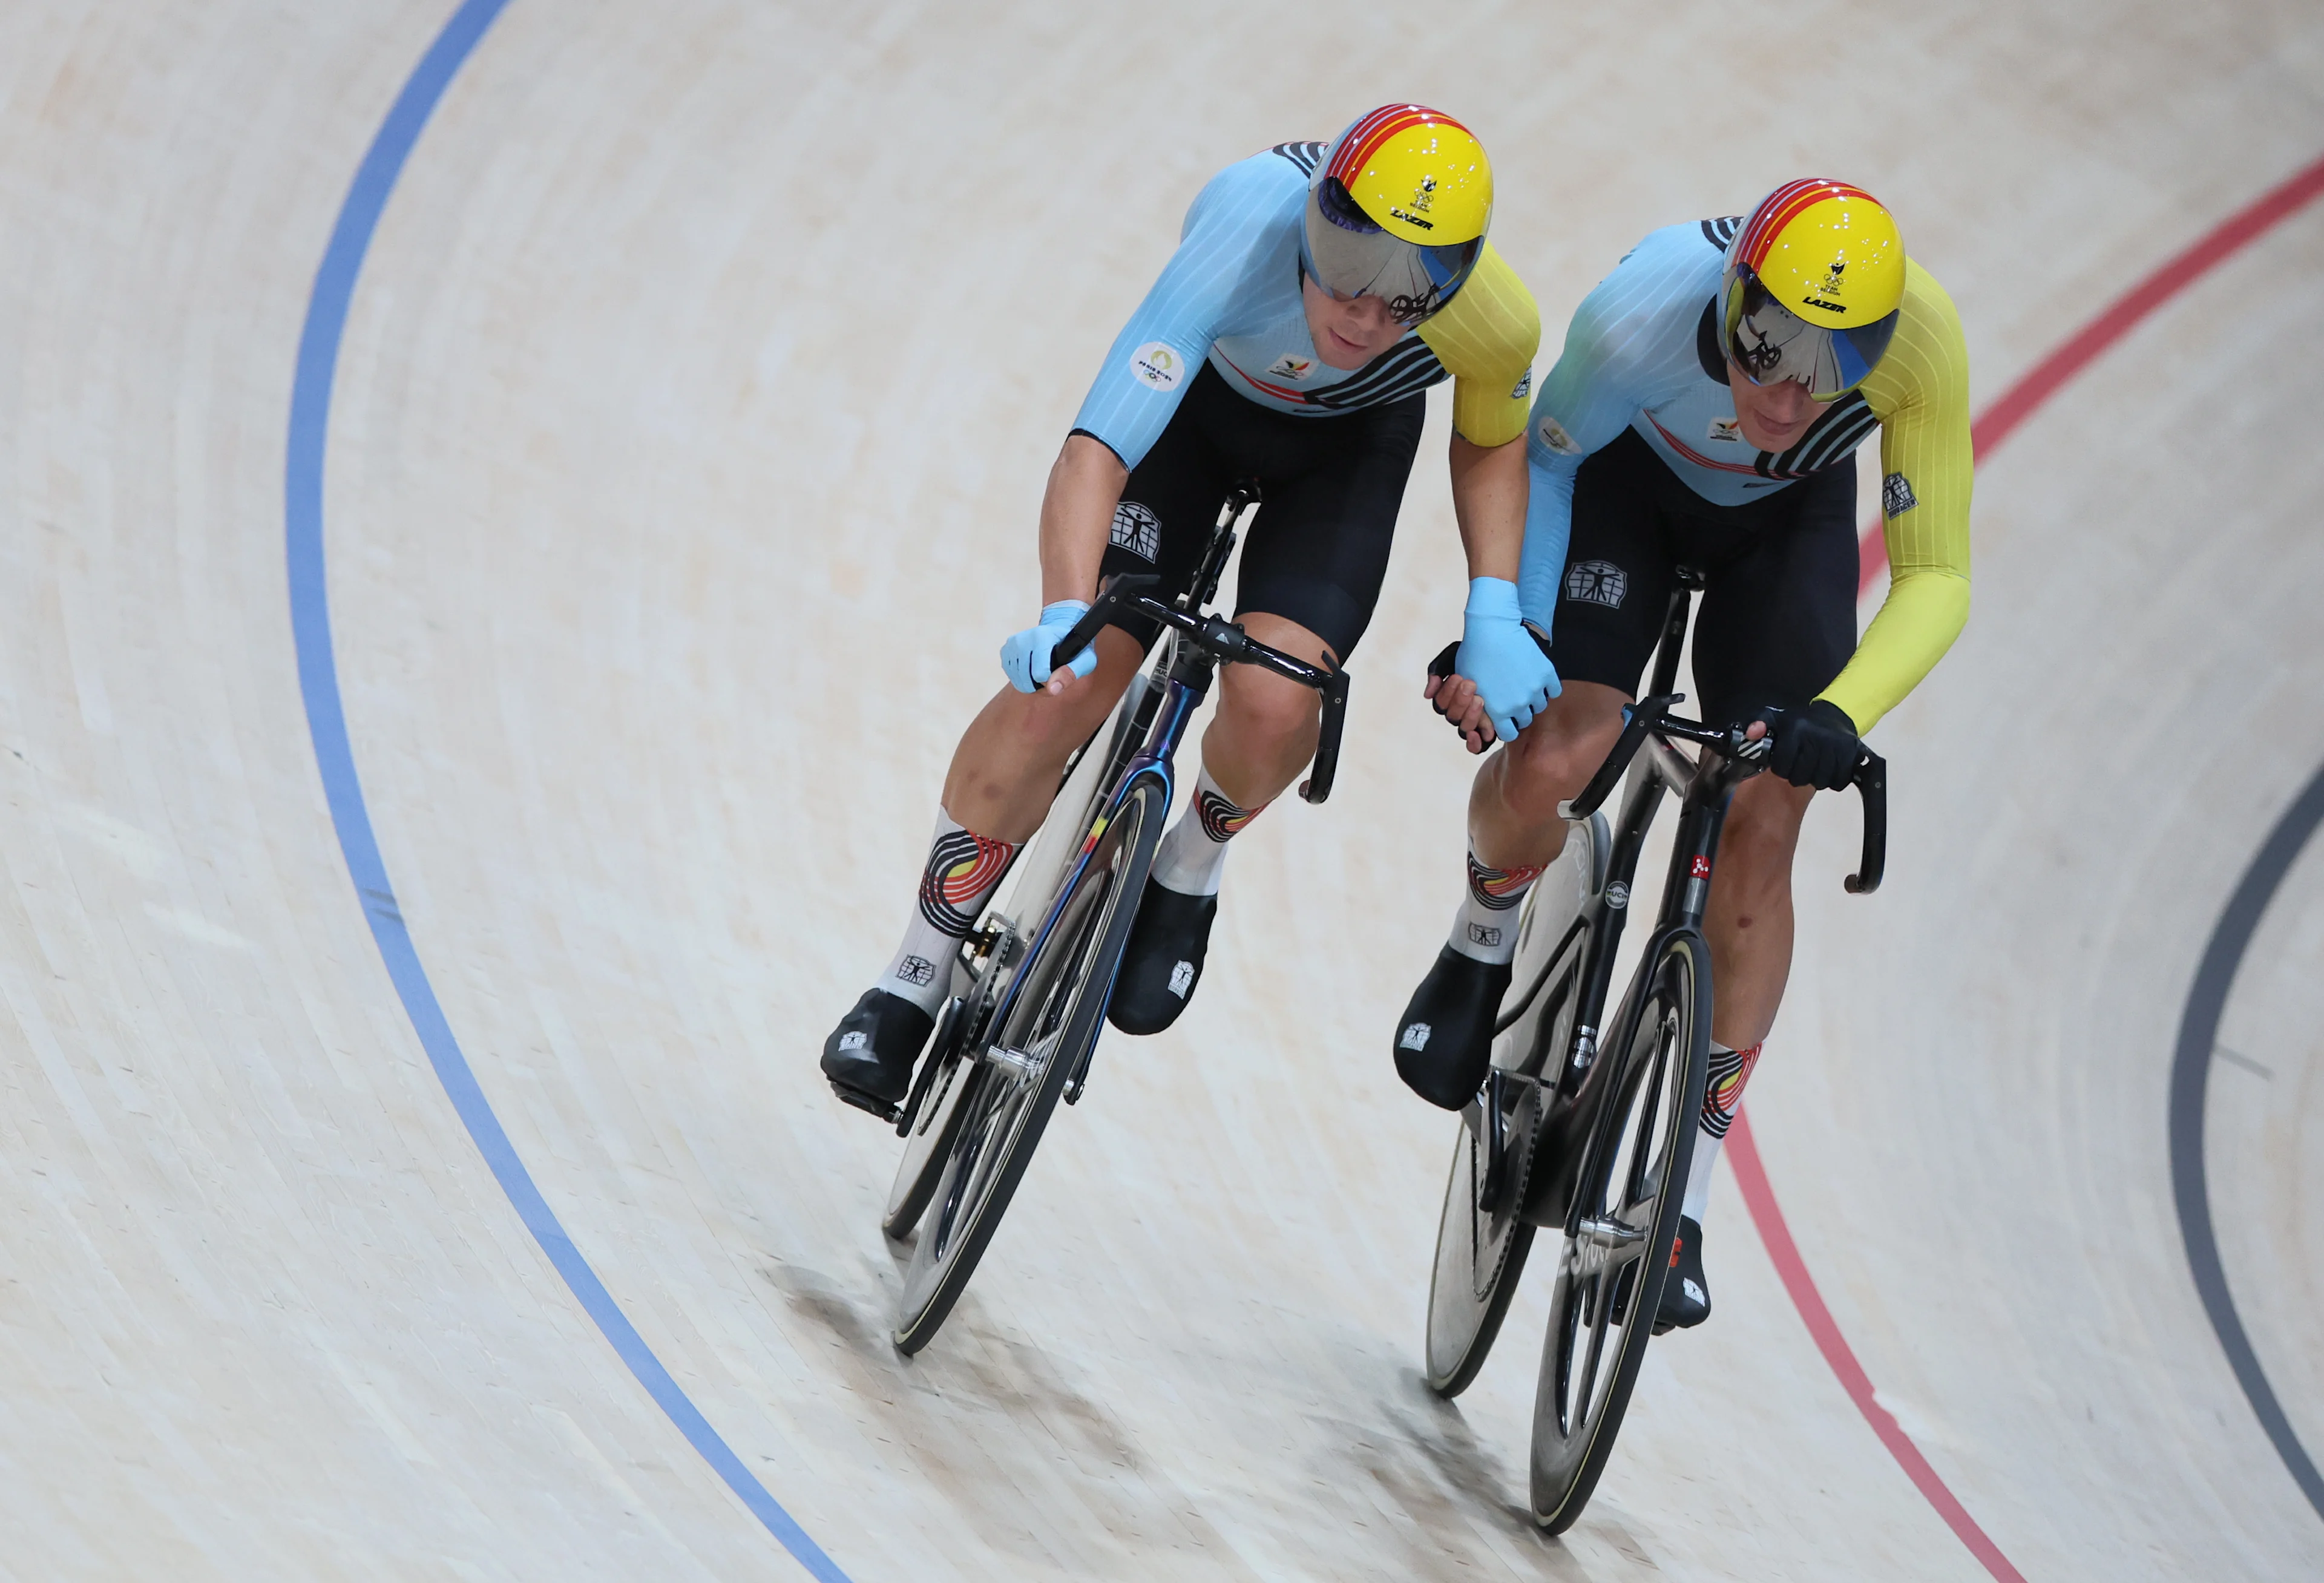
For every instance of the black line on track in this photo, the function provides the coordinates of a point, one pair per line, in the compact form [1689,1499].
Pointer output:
[2191,1070]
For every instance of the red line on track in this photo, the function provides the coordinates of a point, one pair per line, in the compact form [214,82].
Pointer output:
[1768,1215]
[2019,402]
[2172,276]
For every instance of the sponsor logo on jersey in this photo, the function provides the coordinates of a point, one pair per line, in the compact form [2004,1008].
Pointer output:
[1289,367]
[1137,529]
[1896,496]
[1158,367]
[1524,386]
[1597,582]
[1552,435]
[1727,430]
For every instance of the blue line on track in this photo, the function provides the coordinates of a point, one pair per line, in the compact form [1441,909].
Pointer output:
[318,682]
[2191,1070]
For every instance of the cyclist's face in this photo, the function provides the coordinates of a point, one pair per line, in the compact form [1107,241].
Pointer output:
[1773,416]
[1348,331]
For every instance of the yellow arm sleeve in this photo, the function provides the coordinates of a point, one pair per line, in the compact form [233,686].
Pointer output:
[1920,393]
[1485,339]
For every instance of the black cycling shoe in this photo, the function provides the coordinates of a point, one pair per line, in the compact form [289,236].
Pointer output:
[1163,962]
[1444,1041]
[870,1056]
[1686,1295]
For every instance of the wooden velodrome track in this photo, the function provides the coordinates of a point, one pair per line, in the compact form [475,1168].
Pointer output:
[680,425]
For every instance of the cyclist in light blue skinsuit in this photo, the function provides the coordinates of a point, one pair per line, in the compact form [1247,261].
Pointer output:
[1316,292]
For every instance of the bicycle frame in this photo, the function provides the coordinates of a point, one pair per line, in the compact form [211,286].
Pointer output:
[1200,644]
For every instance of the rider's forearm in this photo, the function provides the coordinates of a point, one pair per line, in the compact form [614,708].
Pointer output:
[1488,500]
[1077,517]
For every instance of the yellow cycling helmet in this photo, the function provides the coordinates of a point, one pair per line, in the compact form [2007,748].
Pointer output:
[1398,208]
[1812,289]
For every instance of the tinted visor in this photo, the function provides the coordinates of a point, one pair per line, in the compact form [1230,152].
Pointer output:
[1768,342]
[1350,256]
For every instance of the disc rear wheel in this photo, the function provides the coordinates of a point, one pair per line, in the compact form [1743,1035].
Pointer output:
[1480,1239]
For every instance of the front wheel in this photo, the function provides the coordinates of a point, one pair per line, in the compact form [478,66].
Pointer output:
[1051,1015]
[1622,1226]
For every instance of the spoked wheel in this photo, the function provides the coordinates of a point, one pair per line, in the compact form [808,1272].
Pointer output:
[933,1128]
[1621,1229]
[1039,867]
[1053,1012]
[1481,1240]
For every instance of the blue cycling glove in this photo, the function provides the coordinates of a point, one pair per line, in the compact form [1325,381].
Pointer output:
[1514,677]
[1025,656]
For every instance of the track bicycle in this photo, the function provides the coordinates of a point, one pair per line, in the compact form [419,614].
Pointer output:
[1030,983]
[1585,1128]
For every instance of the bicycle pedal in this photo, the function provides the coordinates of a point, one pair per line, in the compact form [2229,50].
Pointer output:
[885,1110]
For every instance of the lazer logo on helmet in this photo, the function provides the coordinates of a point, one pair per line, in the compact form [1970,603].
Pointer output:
[1398,209]
[1826,246]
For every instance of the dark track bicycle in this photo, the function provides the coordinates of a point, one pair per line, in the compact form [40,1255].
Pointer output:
[1031,982]
[1586,1128]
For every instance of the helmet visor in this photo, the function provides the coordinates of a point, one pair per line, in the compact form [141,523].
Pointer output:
[1350,256]
[1769,343]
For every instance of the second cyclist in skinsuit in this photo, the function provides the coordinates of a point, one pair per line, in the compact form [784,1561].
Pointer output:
[1705,412]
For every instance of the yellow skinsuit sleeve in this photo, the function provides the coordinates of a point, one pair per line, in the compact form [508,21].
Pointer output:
[1920,392]
[1485,339]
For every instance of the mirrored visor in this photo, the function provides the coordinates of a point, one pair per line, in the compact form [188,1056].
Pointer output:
[1350,256]
[1768,342]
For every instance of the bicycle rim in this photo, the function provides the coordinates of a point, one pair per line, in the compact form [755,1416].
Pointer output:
[1480,1248]
[1058,1001]
[930,1143]
[1610,1278]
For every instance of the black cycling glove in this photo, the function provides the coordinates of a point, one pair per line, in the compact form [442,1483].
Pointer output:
[1816,746]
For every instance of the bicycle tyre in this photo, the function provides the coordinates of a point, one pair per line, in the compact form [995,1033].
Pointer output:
[1087,773]
[1623,1220]
[1059,999]
[931,1137]
[1480,1248]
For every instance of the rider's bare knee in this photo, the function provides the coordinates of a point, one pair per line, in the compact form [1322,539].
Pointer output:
[1268,708]
[1763,825]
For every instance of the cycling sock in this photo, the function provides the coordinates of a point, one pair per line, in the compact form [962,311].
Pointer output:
[1730,1071]
[962,869]
[1192,856]
[1485,929]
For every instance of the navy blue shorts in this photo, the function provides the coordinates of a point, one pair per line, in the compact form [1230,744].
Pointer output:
[1777,619]
[1329,491]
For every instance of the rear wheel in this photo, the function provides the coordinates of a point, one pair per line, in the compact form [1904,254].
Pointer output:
[1481,1240]
[1620,1229]
[934,1127]
[1053,1012]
